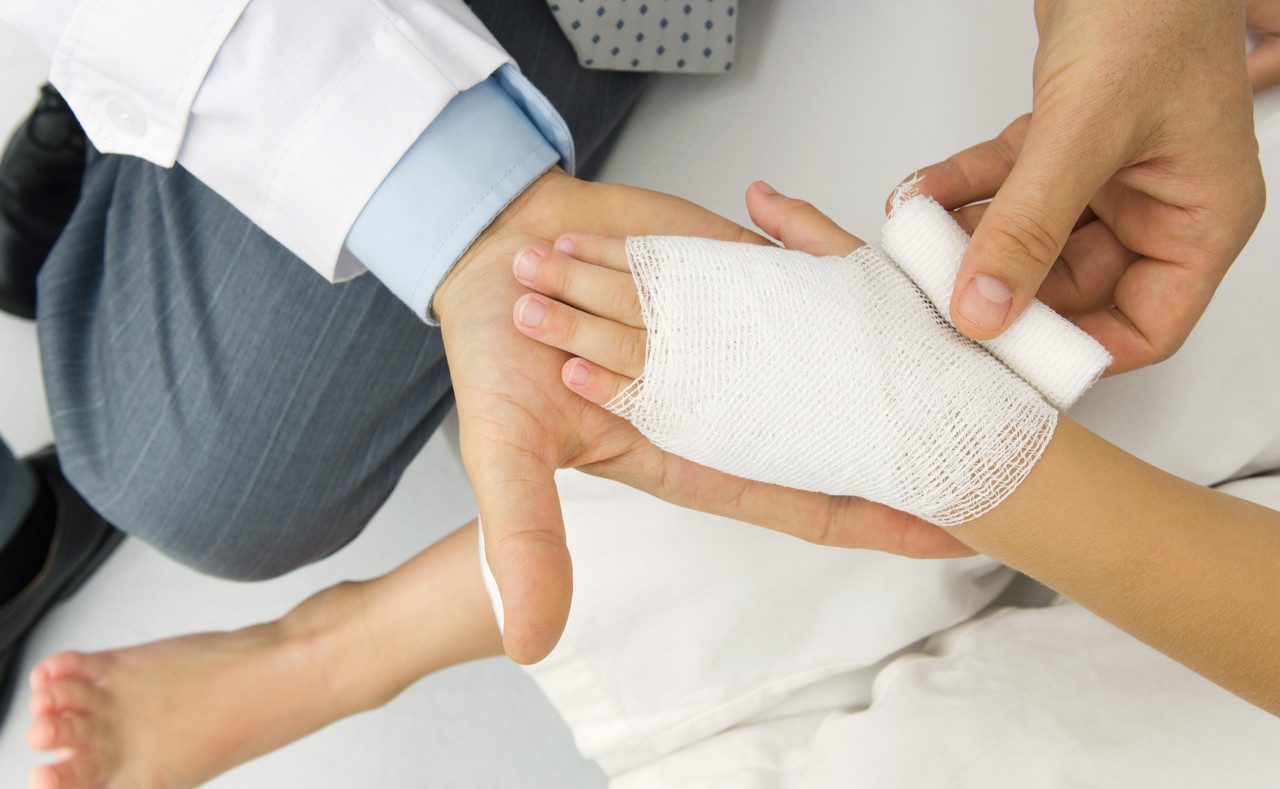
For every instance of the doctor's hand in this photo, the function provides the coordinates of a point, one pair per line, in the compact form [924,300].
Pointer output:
[1127,192]
[519,423]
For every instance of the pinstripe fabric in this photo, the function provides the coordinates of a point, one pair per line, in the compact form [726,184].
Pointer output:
[210,394]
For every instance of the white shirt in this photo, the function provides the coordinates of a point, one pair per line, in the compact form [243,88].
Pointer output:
[292,110]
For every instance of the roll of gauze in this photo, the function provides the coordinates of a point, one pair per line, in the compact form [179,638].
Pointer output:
[828,374]
[1050,352]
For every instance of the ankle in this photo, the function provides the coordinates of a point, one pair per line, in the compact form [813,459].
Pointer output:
[329,634]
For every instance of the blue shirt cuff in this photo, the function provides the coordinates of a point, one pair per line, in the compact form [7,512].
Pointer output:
[484,148]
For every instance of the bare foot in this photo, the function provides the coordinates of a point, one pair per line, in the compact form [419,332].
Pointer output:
[173,714]
[177,712]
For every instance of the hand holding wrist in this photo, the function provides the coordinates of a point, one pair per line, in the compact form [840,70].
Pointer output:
[535,214]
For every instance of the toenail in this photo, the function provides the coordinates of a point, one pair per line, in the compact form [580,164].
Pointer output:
[43,731]
[564,245]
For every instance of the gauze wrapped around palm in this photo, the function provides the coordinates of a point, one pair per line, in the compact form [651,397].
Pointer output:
[839,375]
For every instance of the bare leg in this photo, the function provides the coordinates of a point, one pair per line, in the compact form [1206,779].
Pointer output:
[178,712]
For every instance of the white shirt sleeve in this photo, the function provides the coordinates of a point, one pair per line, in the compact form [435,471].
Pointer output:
[294,111]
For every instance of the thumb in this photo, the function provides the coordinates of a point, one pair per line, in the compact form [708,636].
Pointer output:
[1021,234]
[525,547]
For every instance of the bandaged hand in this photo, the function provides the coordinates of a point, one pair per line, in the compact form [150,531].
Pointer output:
[518,424]
[822,367]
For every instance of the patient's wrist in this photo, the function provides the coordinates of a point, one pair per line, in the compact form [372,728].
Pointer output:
[1076,484]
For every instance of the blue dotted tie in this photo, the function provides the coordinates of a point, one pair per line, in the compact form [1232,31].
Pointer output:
[693,36]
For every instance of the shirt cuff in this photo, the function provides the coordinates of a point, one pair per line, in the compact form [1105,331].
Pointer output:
[488,144]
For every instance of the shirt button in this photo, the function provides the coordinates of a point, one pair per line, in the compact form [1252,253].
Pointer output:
[126,116]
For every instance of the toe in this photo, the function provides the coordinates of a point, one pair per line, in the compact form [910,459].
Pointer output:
[51,776]
[66,695]
[63,775]
[59,731]
[64,665]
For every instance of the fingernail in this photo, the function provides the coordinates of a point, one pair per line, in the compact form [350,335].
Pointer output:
[578,374]
[564,245]
[985,302]
[766,188]
[531,313]
[526,263]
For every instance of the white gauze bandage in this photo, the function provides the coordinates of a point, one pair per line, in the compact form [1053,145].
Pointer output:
[835,375]
[1050,352]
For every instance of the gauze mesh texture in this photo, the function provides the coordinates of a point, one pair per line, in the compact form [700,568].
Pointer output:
[1050,352]
[828,374]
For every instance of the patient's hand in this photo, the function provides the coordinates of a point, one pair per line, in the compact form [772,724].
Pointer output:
[587,305]
[519,424]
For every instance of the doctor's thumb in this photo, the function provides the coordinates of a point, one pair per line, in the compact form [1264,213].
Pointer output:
[1021,234]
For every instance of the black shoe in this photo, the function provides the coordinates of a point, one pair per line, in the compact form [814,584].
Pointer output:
[40,177]
[81,541]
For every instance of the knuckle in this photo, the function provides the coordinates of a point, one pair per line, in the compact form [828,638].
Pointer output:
[1027,241]
[799,207]
[558,275]
[564,324]
[953,170]
[795,216]
[1163,347]
[631,349]
[831,530]
[623,301]
[1010,139]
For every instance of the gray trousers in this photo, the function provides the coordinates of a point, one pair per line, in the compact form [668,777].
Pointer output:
[213,396]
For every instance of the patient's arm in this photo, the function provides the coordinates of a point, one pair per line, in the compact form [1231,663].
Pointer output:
[1192,572]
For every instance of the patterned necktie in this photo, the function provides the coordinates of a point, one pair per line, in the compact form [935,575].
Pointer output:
[694,36]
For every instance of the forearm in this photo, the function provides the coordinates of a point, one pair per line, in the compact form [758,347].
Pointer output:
[1192,572]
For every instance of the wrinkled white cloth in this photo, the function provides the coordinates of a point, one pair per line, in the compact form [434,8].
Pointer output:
[839,375]
[702,652]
